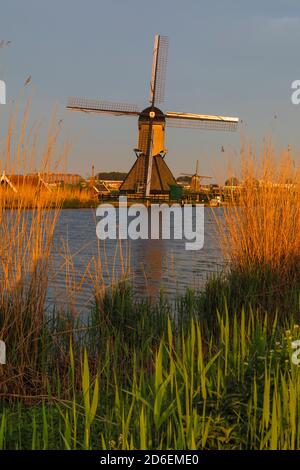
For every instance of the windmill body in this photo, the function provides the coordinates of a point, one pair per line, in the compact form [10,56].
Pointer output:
[151,126]
[195,184]
[150,174]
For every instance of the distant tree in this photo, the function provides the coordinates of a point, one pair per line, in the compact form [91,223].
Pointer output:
[111,175]
[232,181]
[251,182]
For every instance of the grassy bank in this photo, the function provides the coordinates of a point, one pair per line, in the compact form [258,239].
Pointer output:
[146,376]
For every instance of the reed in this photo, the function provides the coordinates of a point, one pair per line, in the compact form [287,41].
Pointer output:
[260,230]
[27,223]
[28,220]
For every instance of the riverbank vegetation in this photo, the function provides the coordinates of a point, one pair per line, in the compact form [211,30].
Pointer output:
[142,376]
[207,370]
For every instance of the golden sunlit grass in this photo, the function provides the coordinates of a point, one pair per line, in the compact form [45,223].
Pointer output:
[23,153]
[28,219]
[30,196]
[26,240]
[260,231]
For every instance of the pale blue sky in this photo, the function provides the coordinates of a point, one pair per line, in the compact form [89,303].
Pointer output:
[226,57]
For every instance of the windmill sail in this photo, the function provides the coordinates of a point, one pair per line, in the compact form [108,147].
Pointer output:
[150,174]
[201,121]
[196,174]
[159,65]
[105,107]
[157,92]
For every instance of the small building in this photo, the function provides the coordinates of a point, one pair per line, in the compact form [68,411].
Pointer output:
[16,182]
[113,185]
[100,189]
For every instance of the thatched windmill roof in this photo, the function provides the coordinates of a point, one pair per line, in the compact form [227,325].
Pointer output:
[161,178]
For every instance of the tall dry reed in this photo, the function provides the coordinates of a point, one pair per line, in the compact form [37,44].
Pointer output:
[28,218]
[27,223]
[260,228]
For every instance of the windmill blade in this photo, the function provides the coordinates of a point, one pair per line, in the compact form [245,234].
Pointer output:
[202,121]
[159,66]
[104,107]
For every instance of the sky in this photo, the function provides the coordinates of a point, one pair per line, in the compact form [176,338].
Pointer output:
[228,57]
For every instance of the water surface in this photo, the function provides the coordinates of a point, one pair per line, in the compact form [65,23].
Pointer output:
[154,264]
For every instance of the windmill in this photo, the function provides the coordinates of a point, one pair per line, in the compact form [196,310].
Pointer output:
[150,174]
[195,183]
